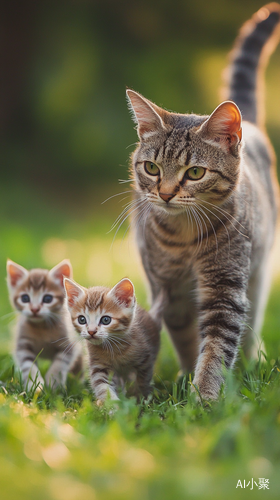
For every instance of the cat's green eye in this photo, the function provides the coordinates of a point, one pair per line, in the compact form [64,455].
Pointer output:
[196,173]
[151,168]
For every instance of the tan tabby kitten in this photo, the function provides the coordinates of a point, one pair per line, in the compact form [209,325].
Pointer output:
[121,337]
[39,296]
[206,196]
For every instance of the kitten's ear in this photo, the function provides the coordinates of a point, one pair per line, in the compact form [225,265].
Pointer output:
[148,116]
[62,269]
[123,293]
[15,273]
[223,127]
[74,292]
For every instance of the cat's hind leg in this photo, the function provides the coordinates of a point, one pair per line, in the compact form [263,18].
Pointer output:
[258,292]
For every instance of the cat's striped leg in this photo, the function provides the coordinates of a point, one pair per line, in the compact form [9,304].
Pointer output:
[144,376]
[258,293]
[222,313]
[26,360]
[101,384]
[180,319]
[57,373]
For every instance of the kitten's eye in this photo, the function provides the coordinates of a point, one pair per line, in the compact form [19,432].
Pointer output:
[151,168]
[105,320]
[196,173]
[82,320]
[25,298]
[47,298]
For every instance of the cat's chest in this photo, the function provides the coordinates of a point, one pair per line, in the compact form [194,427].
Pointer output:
[167,249]
[46,341]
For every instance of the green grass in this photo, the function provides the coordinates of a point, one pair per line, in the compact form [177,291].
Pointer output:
[62,446]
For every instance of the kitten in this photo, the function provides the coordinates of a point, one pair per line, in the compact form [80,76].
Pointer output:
[121,337]
[210,191]
[39,297]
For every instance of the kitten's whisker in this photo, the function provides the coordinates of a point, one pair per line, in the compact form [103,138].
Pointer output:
[107,343]
[62,338]
[13,313]
[70,346]
[115,344]
[121,339]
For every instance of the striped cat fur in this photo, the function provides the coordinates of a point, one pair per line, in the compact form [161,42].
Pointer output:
[43,328]
[205,212]
[122,338]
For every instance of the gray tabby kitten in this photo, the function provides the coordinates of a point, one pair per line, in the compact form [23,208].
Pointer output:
[206,202]
[42,328]
[122,338]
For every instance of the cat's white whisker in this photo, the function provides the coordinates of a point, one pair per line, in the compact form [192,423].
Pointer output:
[215,215]
[123,181]
[224,213]
[202,214]
[114,195]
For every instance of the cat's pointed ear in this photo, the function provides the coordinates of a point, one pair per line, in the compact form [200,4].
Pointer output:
[148,116]
[15,273]
[223,127]
[74,292]
[123,293]
[62,269]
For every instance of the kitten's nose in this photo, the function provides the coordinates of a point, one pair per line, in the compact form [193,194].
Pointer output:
[35,309]
[92,332]
[166,196]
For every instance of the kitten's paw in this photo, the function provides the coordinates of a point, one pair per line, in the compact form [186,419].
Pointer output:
[55,383]
[37,387]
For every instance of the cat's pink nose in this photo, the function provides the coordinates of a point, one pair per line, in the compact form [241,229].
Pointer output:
[35,309]
[92,332]
[166,196]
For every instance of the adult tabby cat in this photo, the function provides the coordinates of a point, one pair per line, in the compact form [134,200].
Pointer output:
[42,328]
[206,204]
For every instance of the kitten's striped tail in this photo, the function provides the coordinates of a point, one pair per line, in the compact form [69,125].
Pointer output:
[157,309]
[256,41]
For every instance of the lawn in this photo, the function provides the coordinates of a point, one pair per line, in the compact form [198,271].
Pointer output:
[64,447]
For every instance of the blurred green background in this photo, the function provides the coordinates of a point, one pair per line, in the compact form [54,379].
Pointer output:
[65,139]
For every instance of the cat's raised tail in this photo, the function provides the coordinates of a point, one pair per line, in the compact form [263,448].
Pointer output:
[257,39]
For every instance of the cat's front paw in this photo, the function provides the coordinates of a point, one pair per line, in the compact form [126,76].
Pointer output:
[205,390]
